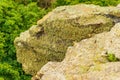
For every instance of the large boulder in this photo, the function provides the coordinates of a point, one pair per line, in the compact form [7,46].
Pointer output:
[49,39]
[96,58]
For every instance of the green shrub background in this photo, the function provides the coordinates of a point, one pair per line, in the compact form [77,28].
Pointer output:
[17,16]
[97,2]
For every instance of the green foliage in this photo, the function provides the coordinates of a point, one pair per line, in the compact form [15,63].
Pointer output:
[112,58]
[14,18]
[8,73]
[25,2]
[97,2]
[1,78]
[2,41]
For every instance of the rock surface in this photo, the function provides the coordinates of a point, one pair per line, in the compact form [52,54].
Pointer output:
[49,39]
[87,60]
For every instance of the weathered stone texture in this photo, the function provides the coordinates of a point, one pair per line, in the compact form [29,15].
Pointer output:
[49,39]
[87,60]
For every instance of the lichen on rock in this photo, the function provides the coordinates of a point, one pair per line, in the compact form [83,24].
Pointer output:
[87,59]
[49,39]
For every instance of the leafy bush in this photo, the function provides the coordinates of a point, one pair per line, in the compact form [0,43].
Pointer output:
[14,19]
[8,73]
[97,2]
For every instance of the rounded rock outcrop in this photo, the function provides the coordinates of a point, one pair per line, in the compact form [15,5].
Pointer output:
[49,39]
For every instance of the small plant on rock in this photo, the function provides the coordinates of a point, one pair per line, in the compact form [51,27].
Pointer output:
[111,57]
